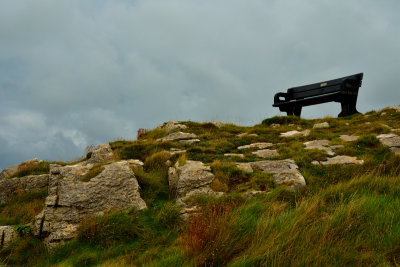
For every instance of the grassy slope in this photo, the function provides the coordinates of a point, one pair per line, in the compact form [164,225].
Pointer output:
[346,215]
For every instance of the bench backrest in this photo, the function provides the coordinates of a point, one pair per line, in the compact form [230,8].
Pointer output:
[348,83]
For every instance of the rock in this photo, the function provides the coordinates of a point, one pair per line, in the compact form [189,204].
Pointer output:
[14,169]
[7,235]
[392,141]
[257,146]
[284,171]
[246,134]
[189,142]
[336,147]
[177,136]
[315,162]
[342,160]
[135,163]
[102,153]
[70,200]
[321,145]
[321,125]
[192,178]
[187,212]
[295,133]
[218,124]
[349,138]
[11,186]
[174,151]
[266,153]
[275,125]
[171,126]
[234,155]
[395,108]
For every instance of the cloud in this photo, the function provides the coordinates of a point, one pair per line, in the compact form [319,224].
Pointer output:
[74,73]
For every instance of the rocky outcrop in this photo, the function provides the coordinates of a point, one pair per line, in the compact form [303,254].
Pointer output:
[7,235]
[193,178]
[284,171]
[189,141]
[171,126]
[102,153]
[392,141]
[10,186]
[261,145]
[14,169]
[177,136]
[70,200]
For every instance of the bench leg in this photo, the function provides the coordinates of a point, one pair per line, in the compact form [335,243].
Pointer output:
[296,111]
[348,108]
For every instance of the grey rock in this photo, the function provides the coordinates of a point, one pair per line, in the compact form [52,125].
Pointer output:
[10,186]
[266,153]
[349,138]
[234,155]
[395,108]
[321,125]
[254,193]
[102,153]
[261,145]
[177,136]
[321,145]
[8,172]
[171,126]
[13,169]
[392,141]
[7,235]
[70,200]
[218,124]
[342,160]
[296,133]
[192,176]
[284,171]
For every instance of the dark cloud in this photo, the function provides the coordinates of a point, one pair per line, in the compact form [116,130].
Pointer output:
[74,73]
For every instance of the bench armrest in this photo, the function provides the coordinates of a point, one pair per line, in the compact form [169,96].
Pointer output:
[277,97]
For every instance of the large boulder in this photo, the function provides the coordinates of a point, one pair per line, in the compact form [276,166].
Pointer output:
[70,200]
[177,136]
[171,126]
[10,186]
[193,178]
[7,235]
[284,171]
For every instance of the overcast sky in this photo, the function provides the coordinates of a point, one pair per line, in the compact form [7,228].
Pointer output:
[81,72]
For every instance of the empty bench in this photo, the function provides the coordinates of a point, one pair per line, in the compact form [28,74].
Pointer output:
[343,90]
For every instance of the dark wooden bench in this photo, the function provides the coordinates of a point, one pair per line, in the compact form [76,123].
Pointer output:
[343,90]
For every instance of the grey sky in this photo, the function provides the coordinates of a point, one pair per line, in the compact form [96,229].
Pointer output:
[75,73]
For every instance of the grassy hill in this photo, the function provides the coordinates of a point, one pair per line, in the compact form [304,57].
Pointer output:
[345,215]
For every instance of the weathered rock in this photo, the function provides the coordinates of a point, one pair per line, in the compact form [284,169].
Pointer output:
[218,124]
[135,163]
[392,141]
[266,153]
[174,151]
[189,142]
[254,193]
[177,136]
[234,155]
[321,145]
[14,169]
[395,108]
[342,160]
[246,134]
[284,171]
[257,146]
[102,153]
[10,186]
[70,200]
[7,235]
[192,178]
[295,133]
[321,125]
[171,126]
[349,138]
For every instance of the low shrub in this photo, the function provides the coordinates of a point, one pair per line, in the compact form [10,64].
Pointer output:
[169,216]
[32,169]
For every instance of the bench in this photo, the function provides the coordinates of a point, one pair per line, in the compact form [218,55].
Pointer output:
[343,90]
